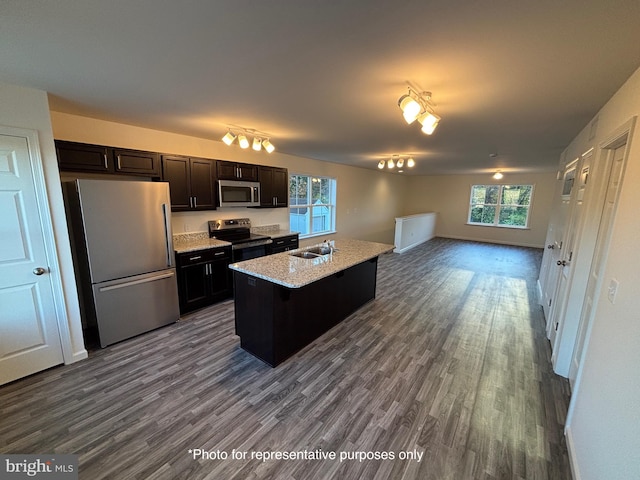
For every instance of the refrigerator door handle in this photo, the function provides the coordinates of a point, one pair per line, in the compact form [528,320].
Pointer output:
[168,234]
[137,282]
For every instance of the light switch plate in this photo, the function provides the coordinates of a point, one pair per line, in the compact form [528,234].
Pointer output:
[613,290]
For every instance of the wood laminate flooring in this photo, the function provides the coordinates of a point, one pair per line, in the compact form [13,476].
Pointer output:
[449,362]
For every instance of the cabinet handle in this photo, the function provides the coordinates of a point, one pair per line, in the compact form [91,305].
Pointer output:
[195,202]
[190,202]
[197,257]
[292,239]
[118,162]
[219,253]
[106,161]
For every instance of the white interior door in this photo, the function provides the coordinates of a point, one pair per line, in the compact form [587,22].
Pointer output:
[554,247]
[29,334]
[594,284]
[569,242]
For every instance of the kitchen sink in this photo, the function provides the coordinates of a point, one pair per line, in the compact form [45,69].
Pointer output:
[305,254]
[313,252]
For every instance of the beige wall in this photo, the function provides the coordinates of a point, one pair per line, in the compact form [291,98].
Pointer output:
[448,195]
[602,428]
[368,200]
[29,109]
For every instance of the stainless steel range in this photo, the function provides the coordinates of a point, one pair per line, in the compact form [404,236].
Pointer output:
[244,244]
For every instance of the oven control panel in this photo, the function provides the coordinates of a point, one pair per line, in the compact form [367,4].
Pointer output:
[230,223]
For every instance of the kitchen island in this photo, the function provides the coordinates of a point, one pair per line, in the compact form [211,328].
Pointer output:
[284,302]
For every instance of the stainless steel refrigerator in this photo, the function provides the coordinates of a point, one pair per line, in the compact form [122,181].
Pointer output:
[123,255]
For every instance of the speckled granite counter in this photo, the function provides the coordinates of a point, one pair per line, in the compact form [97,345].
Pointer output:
[294,272]
[274,231]
[190,242]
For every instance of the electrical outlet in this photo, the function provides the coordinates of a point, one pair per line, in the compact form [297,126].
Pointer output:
[613,290]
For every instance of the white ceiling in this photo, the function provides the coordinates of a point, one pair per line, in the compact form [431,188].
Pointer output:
[516,78]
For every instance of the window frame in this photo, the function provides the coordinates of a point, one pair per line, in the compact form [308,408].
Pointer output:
[332,204]
[498,206]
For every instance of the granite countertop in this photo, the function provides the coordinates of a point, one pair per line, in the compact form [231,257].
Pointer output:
[295,272]
[190,242]
[273,231]
[279,233]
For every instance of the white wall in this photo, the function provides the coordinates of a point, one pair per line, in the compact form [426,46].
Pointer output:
[368,200]
[448,195]
[602,429]
[29,109]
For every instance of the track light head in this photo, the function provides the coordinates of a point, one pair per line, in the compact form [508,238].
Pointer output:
[242,140]
[268,146]
[381,164]
[498,175]
[429,122]
[229,138]
[400,163]
[410,108]
[410,162]
[257,144]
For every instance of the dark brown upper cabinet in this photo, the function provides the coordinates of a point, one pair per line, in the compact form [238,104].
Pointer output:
[274,187]
[237,171]
[135,162]
[191,182]
[83,157]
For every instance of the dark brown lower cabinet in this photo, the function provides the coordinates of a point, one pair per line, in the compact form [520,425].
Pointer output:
[203,278]
[283,244]
[274,322]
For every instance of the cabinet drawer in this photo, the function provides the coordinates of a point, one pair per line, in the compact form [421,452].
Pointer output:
[201,256]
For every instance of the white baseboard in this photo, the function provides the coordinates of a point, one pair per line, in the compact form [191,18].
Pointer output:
[409,247]
[573,461]
[486,240]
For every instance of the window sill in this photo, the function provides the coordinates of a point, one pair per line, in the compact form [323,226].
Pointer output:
[511,227]
[319,234]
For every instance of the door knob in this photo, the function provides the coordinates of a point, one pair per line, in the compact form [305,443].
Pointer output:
[562,263]
[39,271]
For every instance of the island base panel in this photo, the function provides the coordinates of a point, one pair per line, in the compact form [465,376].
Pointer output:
[274,322]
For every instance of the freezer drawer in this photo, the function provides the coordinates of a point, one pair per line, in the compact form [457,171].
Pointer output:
[134,305]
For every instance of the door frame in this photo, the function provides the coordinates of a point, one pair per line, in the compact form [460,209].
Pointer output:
[46,222]
[619,136]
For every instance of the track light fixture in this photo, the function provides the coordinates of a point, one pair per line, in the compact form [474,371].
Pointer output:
[418,106]
[498,175]
[260,139]
[397,161]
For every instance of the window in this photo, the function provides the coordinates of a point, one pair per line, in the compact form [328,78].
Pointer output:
[500,205]
[312,205]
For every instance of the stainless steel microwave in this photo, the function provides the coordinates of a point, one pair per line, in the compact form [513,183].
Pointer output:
[235,193]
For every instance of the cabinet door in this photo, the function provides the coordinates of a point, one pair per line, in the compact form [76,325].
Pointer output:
[135,162]
[193,286]
[267,194]
[248,173]
[226,170]
[203,183]
[175,170]
[280,187]
[237,171]
[80,157]
[274,187]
